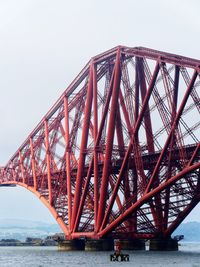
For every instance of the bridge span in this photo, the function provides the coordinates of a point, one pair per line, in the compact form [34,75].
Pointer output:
[118,155]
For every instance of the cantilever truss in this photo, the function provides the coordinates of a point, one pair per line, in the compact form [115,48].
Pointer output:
[119,152]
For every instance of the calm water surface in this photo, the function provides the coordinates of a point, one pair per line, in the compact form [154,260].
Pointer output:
[188,255]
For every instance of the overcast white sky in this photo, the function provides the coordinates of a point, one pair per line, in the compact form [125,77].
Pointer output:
[45,43]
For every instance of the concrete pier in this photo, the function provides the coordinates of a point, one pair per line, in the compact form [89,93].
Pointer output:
[71,245]
[99,245]
[132,244]
[163,244]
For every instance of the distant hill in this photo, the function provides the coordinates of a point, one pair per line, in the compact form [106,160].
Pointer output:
[190,230]
[20,229]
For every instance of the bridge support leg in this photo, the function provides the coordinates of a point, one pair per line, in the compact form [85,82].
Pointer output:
[163,244]
[71,245]
[99,245]
[132,244]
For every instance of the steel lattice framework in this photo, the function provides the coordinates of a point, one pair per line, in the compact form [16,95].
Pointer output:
[119,152]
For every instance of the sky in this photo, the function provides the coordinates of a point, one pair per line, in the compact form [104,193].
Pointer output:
[44,45]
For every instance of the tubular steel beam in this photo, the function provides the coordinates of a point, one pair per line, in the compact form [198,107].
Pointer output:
[109,142]
[87,113]
[96,174]
[48,159]
[22,167]
[33,164]
[68,168]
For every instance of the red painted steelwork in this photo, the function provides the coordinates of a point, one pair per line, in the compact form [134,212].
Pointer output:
[119,152]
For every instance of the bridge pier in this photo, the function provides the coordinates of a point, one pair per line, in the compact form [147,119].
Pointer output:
[132,244]
[163,244]
[71,245]
[99,245]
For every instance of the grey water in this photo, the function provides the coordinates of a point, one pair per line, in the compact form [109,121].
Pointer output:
[188,255]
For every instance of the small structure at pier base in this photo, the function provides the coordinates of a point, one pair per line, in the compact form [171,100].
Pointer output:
[118,255]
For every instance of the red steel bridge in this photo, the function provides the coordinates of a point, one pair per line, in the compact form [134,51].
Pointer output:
[119,152]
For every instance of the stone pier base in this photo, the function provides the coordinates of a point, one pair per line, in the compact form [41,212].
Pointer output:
[163,244]
[71,245]
[99,245]
[132,244]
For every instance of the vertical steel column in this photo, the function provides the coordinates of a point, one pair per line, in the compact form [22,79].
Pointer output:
[48,160]
[22,166]
[134,172]
[175,92]
[84,139]
[33,164]
[173,115]
[155,208]
[13,171]
[96,174]
[109,141]
[68,168]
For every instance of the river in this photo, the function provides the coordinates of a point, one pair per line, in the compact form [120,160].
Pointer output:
[187,256]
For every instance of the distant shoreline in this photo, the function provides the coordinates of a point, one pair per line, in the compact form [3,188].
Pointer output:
[24,244]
